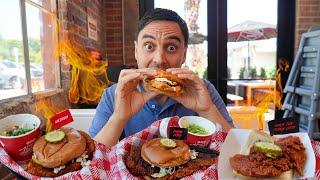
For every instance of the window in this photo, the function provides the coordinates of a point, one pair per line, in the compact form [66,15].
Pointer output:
[28,36]
[252,41]
[194,12]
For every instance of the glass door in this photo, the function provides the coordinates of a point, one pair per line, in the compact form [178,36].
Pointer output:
[194,12]
[251,61]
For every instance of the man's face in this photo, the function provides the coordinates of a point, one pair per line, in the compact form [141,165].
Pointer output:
[160,44]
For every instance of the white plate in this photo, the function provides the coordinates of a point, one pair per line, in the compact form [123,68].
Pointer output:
[237,138]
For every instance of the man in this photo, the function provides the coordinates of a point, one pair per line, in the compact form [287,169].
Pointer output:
[127,108]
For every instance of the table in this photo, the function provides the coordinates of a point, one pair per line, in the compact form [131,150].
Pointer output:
[251,85]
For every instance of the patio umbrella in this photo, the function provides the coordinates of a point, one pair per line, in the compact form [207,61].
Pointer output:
[251,31]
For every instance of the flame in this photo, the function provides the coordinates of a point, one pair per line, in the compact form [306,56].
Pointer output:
[283,67]
[252,116]
[48,110]
[249,117]
[88,75]
[263,108]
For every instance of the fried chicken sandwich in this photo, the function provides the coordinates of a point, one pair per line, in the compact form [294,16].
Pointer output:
[163,158]
[165,83]
[59,152]
[264,156]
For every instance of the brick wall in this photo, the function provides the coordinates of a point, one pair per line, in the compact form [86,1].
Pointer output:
[113,30]
[73,19]
[307,15]
[130,17]
[119,35]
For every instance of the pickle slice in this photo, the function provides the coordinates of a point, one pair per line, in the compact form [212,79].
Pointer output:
[168,143]
[35,160]
[268,149]
[54,136]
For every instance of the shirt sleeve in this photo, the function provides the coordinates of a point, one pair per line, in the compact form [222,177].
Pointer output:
[103,111]
[217,100]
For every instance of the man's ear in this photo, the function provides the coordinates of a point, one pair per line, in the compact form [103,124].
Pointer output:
[136,50]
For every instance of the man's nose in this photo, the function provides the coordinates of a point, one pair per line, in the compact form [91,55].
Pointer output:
[159,57]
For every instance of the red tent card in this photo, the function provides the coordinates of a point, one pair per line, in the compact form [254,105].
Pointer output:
[62,118]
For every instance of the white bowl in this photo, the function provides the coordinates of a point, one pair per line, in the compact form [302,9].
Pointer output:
[209,126]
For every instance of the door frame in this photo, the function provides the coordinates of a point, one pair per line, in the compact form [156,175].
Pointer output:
[218,37]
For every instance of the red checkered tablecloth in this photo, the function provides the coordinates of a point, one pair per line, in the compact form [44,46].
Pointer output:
[109,163]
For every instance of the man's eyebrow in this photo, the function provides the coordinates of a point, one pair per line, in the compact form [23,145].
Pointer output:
[148,36]
[174,37]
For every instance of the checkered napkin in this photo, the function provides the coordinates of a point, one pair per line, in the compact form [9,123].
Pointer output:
[109,163]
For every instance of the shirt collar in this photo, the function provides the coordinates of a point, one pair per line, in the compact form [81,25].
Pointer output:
[152,102]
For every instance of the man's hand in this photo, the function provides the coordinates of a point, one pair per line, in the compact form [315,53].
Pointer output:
[129,101]
[197,98]
[195,95]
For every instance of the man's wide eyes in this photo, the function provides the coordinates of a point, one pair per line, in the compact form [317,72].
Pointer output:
[148,46]
[171,48]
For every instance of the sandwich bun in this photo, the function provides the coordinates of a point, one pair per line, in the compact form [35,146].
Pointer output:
[155,154]
[52,155]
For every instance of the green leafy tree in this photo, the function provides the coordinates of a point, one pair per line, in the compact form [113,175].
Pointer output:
[7,47]
[263,73]
[253,72]
[241,73]
[34,50]
[271,73]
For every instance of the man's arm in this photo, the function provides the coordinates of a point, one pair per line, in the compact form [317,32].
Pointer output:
[218,111]
[104,111]
[214,115]
[127,102]
[109,135]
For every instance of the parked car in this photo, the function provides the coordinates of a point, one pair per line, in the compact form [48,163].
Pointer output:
[12,75]
[35,70]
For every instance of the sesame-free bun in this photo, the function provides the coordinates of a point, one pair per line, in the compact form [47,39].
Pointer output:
[155,154]
[51,155]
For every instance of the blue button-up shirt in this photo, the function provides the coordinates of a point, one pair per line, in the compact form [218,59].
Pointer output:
[150,112]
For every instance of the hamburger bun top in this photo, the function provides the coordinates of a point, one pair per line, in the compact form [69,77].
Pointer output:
[155,154]
[169,76]
[51,155]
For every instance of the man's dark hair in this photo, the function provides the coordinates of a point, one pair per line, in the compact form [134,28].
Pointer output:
[160,14]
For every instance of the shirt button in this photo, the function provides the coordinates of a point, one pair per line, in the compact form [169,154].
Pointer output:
[153,106]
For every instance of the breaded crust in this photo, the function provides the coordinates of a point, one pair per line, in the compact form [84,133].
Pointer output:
[169,76]
[165,90]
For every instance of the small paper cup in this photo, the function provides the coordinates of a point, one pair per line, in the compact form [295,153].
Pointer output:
[198,139]
[19,147]
[165,125]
